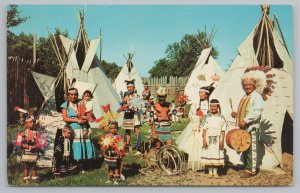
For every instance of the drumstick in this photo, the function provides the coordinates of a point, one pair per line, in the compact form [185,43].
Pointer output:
[230,102]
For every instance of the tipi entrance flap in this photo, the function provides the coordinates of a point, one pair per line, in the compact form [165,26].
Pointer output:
[45,84]
[72,62]
[90,54]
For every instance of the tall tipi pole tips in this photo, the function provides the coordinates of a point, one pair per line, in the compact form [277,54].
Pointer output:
[265,8]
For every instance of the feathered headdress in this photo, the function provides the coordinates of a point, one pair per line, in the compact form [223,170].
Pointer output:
[261,79]
[19,109]
[130,82]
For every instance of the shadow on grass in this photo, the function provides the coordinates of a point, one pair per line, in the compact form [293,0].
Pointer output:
[130,170]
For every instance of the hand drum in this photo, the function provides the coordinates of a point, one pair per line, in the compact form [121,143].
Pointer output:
[238,139]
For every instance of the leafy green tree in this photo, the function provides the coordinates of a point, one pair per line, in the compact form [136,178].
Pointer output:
[20,46]
[163,67]
[182,56]
[47,62]
[111,69]
[13,19]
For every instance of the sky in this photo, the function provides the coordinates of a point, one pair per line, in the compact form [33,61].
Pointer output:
[147,30]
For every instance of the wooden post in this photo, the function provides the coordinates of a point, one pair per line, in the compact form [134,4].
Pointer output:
[25,81]
[100,52]
[34,49]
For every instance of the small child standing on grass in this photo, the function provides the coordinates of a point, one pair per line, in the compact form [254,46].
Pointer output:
[62,151]
[113,147]
[29,151]
[213,126]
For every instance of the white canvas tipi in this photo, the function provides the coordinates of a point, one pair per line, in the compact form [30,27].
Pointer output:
[128,72]
[263,46]
[83,69]
[205,72]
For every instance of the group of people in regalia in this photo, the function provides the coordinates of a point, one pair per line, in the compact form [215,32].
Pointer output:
[204,137]
[202,140]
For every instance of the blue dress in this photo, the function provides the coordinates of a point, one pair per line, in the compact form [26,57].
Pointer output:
[82,146]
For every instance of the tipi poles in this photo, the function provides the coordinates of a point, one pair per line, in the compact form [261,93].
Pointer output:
[281,34]
[268,45]
[100,54]
[34,49]
[261,32]
[55,50]
[56,46]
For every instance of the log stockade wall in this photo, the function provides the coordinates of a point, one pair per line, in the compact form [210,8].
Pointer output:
[21,88]
[172,83]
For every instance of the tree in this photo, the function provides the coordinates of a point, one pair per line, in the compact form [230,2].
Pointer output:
[20,46]
[47,62]
[163,67]
[182,56]
[13,20]
[16,44]
[13,17]
[111,69]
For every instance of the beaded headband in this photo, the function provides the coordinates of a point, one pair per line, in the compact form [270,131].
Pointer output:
[130,84]
[29,118]
[73,91]
[203,90]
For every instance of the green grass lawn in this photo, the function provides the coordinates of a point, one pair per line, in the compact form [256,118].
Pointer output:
[94,177]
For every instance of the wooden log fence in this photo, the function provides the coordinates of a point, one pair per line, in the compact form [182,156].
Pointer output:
[21,88]
[172,83]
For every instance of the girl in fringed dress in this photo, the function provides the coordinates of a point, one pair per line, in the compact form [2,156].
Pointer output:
[190,140]
[214,126]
